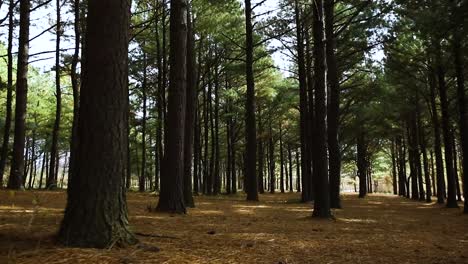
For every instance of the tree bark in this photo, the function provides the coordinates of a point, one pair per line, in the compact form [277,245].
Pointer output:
[17,165]
[250,125]
[437,143]
[321,183]
[171,198]
[9,98]
[143,175]
[451,185]
[96,212]
[52,183]
[334,106]
[190,111]
[462,109]
[303,108]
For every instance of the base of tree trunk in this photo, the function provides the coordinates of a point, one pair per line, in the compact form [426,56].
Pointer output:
[97,236]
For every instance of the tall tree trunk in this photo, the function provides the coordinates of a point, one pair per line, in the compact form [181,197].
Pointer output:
[321,184]
[58,106]
[216,174]
[334,106]
[281,159]
[190,111]
[462,109]
[17,165]
[303,108]
[250,125]
[171,198]
[451,185]
[412,152]
[233,158]
[9,98]
[160,97]
[143,175]
[101,156]
[437,144]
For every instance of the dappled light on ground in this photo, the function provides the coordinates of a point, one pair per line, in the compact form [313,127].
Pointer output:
[278,229]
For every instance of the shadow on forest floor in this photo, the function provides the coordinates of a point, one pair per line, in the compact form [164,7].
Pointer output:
[278,229]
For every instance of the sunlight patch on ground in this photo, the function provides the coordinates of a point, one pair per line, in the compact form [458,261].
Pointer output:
[244,211]
[251,206]
[147,217]
[300,210]
[357,220]
[210,212]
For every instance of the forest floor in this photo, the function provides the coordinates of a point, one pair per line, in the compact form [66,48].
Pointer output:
[226,229]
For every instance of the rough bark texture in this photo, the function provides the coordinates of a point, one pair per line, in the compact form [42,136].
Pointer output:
[250,125]
[451,185]
[96,212]
[190,113]
[437,144]
[171,198]
[321,183]
[334,107]
[463,113]
[303,109]
[17,165]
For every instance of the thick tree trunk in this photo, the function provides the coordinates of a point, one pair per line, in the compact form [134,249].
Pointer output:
[171,198]
[321,183]
[101,155]
[334,106]
[17,165]
[437,144]
[9,98]
[190,112]
[451,185]
[250,125]
[462,109]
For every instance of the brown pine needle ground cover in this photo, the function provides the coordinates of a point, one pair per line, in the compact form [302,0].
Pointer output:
[379,229]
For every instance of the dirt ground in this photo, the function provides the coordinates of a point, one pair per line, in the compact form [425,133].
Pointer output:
[226,229]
